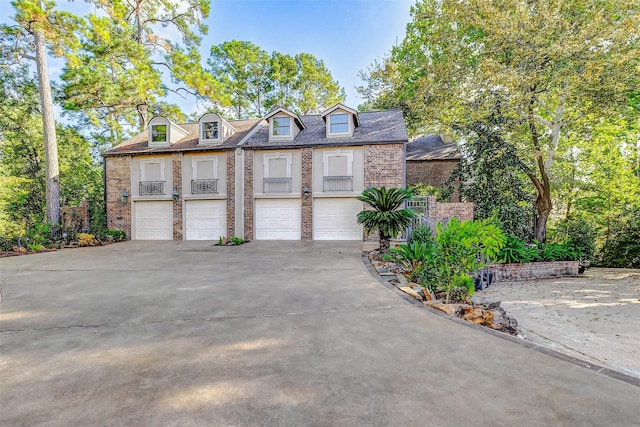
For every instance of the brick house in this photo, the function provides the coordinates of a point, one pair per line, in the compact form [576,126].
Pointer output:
[281,177]
[431,160]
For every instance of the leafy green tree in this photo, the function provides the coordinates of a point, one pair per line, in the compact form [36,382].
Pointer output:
[492,176]
[256,82]
[542,64]
[116,80]
[387,217]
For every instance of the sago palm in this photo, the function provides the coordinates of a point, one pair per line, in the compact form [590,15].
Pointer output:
[387,217]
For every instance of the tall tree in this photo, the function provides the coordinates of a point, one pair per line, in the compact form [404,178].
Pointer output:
[117,79]
[542,63]
[41,27]
[255,81]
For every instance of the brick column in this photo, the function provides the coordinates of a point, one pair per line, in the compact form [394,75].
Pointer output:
[231,193]
[307,205]
[248,194]
[177,206]
[118,178]
[384,165]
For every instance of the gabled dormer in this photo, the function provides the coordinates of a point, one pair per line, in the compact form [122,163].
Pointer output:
[163,132]
[284,125]
[340,121]
[214,130]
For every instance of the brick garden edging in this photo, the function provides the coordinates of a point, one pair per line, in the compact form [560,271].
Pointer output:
[534,270]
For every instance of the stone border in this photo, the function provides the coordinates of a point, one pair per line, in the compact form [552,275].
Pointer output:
[528,344]
[534,270]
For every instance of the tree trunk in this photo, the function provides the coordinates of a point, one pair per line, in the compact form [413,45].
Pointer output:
[543,208]
[49,126]
[384,244]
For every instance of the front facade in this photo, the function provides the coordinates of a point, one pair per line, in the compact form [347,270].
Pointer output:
[282,177]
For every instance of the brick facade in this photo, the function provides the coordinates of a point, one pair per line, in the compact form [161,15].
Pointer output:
[177,206]
[118,173]
[248,194]
[307,204]
[231,193]
[384,165]
[534,270]
[430,172]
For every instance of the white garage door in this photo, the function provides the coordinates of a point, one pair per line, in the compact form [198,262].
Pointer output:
[206,219]
[153,220]
[335,219]
[278,219]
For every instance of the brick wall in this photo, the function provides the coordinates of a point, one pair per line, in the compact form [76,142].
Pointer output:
[177,206]
[231,193]
[384,165]
[534,270]
[307,205]
[430,172]
[118,178]
[248,194]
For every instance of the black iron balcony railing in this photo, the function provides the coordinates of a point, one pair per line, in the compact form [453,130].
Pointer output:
[204,186]
[276,185]
[151,188]
[337,183]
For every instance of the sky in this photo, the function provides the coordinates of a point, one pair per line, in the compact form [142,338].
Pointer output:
[348,35]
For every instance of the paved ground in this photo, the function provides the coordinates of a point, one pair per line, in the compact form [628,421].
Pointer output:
[292,334]
[594,317]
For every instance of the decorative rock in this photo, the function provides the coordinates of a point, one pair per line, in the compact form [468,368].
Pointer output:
[481,302]
[433,302]
[402,279]
[446,308]
[407,290]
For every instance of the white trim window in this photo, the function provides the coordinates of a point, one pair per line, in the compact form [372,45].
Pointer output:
[277,173]
[339,123]
[151,177]
[205,175]
[337,170]
[210,130]
[160,133]
[281,126]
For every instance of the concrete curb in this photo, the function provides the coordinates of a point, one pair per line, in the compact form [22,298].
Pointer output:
[536,347]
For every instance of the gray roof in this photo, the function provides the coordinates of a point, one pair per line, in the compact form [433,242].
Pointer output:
[432,147]
[139,144]
[377,127]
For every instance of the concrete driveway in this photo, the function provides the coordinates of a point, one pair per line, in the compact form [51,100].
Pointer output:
[268,333]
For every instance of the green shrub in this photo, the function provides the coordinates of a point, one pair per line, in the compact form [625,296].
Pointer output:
[580,235]
[516,252]
[621,246]
[422,234]
[236,240]
[410,256]
[115,235]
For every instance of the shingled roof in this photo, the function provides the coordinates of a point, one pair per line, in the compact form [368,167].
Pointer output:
[377,127]
[139,144]
[432,147]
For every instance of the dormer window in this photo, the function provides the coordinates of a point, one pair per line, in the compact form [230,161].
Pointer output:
[214,130]
[210,130]
[159,133]
[282,126]
[163,132]
[340,120]
[339,123]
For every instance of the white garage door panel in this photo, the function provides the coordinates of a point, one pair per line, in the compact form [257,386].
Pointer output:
[206,219]
[278,219]
[153,220]
[335,219]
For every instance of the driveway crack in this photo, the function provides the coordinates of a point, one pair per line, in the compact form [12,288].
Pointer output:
[211,318]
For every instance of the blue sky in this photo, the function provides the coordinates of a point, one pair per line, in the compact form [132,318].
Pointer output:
[348,35]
